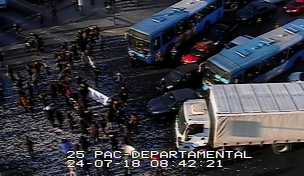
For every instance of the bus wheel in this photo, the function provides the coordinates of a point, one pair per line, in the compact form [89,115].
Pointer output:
[233,6]
[280,148]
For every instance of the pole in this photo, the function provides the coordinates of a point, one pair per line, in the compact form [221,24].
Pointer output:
[113,8]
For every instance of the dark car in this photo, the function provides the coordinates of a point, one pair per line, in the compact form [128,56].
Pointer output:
[236,4]
[171,101]
[220,34]
[185,75]
[256,10]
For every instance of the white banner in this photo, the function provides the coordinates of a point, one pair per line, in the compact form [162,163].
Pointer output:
[97,96]
[80,2]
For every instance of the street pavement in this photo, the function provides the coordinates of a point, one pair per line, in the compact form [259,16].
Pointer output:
[15,124]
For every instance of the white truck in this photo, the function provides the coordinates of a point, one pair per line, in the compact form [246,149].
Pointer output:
[240,115]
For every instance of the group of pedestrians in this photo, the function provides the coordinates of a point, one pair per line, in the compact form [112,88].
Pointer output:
[65,100]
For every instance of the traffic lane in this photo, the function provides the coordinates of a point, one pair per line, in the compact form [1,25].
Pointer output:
[22,7]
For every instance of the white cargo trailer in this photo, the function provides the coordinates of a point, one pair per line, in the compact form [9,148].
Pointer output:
[239,115]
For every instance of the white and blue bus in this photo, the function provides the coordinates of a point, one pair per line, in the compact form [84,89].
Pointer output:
[259,59]
[172,27]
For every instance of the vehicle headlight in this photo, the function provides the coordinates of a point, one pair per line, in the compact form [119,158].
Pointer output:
[163,79]
[294,10]
[169,87]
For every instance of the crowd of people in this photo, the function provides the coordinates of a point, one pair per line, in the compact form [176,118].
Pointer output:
[66,102]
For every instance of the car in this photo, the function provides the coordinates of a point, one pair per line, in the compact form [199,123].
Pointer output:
[214,41]
[3,4]
[238,41]
[272,1]
[170,102]
[184,75]
[295,7]
[255,10]
[296,77]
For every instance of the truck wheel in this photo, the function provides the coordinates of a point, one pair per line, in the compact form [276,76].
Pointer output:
[239,148]
[233,6]
[280,148]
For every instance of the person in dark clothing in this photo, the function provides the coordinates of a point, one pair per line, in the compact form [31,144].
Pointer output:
[10,72]
[29,91]
[133,123]
[101,42]
[29,69]
[70,122]
[49,113]
[1,59]
[95,133]
[29,146]
[79,80]
[69,58]
[17,29]
[124,94]
[133,60]
[40,18]
[114,141]
[54,13]
[84,143]
[83,127]
[96,73]
[30,106]
[257,26]
[19,80]
[75,3]
[83,90]
[53,92]
[120,116]
[59,119]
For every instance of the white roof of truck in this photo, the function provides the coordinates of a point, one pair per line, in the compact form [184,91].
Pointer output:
[258,98]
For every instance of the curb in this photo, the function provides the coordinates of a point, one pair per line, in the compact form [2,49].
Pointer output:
[85,16]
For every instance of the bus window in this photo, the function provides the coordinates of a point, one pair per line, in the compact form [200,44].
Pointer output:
[191,21]
[267,65]
[168,35]
[251,73]
[296,48]
[156,43]
[281,57]
[180,27]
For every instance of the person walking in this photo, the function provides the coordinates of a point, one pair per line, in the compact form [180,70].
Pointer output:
[124,94]
[133,59]
[95,133]
[40,18]
[159,58]
[29,146]
[49,113]
[120,116]
[54,13]
[133,122]
[114,142]
[59,119]
[75,4]
[30,106]
[18,30]
[70,122]
[22,100]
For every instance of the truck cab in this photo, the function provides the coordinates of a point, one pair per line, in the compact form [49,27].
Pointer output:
[192,125]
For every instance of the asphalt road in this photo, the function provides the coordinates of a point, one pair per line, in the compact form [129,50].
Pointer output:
[155,137]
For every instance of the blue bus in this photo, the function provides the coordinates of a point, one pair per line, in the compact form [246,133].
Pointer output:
[259,59]
[171,27]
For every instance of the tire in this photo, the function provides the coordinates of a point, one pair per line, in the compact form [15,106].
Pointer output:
[233,6]
[280,148]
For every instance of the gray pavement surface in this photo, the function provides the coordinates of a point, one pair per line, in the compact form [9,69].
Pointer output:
[15,123]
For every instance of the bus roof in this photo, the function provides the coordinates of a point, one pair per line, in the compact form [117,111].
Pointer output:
[240,56]
[169,16]
[261,47]
[258,98]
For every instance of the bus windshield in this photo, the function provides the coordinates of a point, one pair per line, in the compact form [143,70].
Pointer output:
[216,75]
[181,121]
[139,45]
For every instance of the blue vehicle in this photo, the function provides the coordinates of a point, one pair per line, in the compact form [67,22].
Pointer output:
[171,27]
[258,60]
